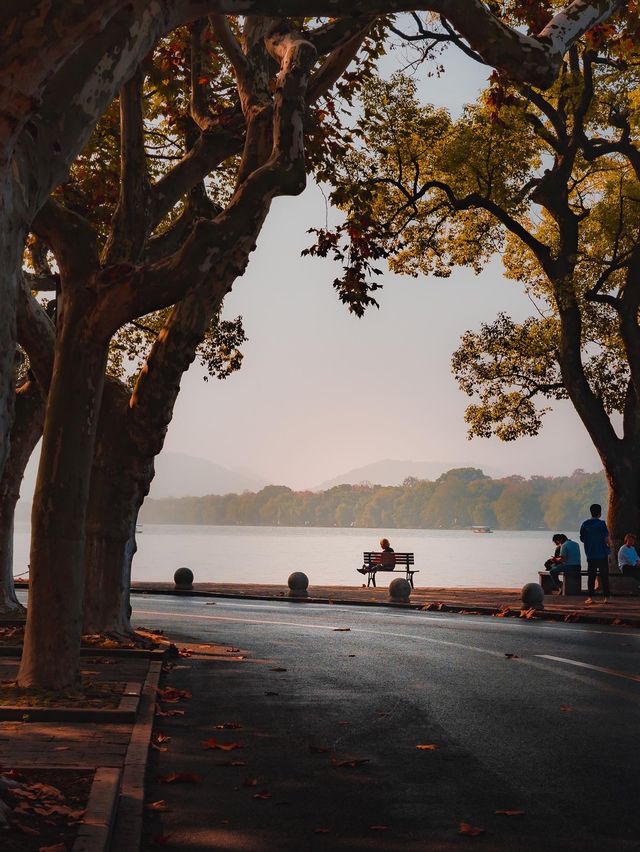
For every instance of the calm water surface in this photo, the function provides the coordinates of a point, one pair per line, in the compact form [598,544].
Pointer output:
[328,556]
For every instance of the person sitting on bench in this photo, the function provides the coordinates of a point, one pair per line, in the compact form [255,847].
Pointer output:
[385,561]
[569,560]
[556,538]
[628,559]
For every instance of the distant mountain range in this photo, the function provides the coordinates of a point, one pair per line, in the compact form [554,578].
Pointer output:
[178,475]
[394,472]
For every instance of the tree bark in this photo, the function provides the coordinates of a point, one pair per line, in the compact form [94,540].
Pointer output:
[26,432]
[51,652]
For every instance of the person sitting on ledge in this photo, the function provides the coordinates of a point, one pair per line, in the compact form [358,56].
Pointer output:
[554,560]
[385,561]
[569,560]
[628,559]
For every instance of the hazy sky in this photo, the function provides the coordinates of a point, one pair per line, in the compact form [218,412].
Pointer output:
[306,404]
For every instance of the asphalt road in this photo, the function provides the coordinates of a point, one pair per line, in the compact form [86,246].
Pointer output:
[527,716]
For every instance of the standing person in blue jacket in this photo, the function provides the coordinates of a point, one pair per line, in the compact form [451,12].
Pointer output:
[595,537]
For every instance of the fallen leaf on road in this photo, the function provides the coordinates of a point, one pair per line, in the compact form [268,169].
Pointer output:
[160,805]
[161,738]
[314,749]
[180,778]
[341,629]
[509,813]
[161,712]
[171,694]
[566,708]
[250,782]
[427,747]
[157,747]
[349,763]
[470,830]
[213,743]
[263,795]
[278,669]
[227,726]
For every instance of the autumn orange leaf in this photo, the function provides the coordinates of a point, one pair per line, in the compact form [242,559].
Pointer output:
[470,830]
[160,805]
[428,747]
[509,813]
[213,744]
[349,763]
[161,738]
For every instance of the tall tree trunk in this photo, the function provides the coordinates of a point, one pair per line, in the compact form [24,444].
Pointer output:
[12,236]
[25,434]
[120,480]
[623,515]
[60,502]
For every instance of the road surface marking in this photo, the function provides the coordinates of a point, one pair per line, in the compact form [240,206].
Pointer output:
[615,672]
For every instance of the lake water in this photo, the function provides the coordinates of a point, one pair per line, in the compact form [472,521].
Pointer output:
[328,556]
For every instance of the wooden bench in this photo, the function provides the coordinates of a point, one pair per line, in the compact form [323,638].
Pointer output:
[572,583]
[374,562]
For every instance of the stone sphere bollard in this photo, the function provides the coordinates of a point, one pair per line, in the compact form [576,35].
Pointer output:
[183,578]
[533,595]
[399,589]
[298,584]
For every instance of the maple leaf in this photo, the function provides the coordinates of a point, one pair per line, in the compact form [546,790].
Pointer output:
[213,744]
[470,830]
[427,747]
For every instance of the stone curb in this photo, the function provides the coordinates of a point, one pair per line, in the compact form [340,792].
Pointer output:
[459,609]
[127,828]
[94,832]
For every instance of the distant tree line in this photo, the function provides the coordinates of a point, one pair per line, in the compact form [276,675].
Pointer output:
[459,498]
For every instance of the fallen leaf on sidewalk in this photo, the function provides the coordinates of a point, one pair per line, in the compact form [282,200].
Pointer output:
[278,669]
[213,744]
[314,749]
[160,805]
[227,726]
[428,747]
[341,629]
[161,738]
[470,830]
[509,813]
[263,795]
[179,778]
[349,763]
